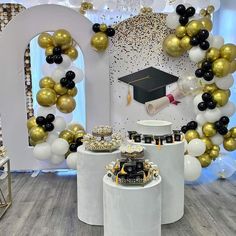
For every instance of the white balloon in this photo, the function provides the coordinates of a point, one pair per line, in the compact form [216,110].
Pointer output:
[199,130]
[66,63]
[47,69]
[228,109]
[217,139]
[57,159]
[59,124]
[51,137]
[225,82]
[159,6]
[210,38]
[196,54]
[44,111]
[196,147]
[68,117]
[79,74]
[60,146]
[200,119]
[212,115]
[185,145]
[172,20]
[217,41]
[147,3]
[72,160]
[58,73]
[42,151]
[197,99]
[192,168]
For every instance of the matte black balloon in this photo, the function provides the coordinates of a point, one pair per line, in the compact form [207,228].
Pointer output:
[202,106]
[192,125]
[58,59]
[183,20]
[208,76]
[96,27]
[73,147]
[218,125]
[203,34]
[110,32]
[206,97]
[70,84]
[204,45]
[206,65]
[64,82]
[223,130]
[50,118]
[79,142]
[194,41]
[224,120]
[40,120]
[211,105]
[70,75]
[199,73]
[190,11]
[180,9]
[50,59]
[49,127]
[184,129]
[57,51]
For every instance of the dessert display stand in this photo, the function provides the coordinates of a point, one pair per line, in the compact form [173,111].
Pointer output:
[91,169]
[132,210]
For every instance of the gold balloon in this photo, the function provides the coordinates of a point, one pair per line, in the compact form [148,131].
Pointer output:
[31,122]
[232,67]
[205,160]
[185,43]
[62,38]
[191,134]
[213,54]
[228,51]
[216,148]
[38,134]
[193,27]
[32,143]
[209,130]
[60,90]
[72,92]
[103,27]
[45,40]
[206,23]
[49,51]
[75,128]
[214,154]
[171,45]
[228,135]
[80,134]
[221,67]
[208,142]
[66,104]
[72,53]
[180,31]
[46,82]
[229,144]
[46,97]
[221,97]
[100,41]
[67,135]
[210,88]
[233,132]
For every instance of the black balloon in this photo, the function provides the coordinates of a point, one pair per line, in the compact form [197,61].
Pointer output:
[57,51]
[194,41]
[204,45]
[218,125]
[203,34]
[70,75]
[208,76]
[224,120]
[181,10]
[211,105]
[192,125]
[183,20]
[199,73]
[206,65]
[202,106]
[223,130]
[50,59]
[58,59]
[110,32]
[79,141]
[206,97]
[70,84]
[73,147]
[40,120]
[50,118]
[184,129]
[190,11]
[64,82]
[49,127]
[96,27]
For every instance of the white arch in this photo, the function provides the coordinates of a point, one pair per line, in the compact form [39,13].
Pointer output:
[13,42]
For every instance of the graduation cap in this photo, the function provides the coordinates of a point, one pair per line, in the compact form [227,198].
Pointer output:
[149,84]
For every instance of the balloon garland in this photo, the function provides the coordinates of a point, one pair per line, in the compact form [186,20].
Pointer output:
[216,62]
[53,139]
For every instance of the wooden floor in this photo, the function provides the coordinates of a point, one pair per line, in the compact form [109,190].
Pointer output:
[46,205]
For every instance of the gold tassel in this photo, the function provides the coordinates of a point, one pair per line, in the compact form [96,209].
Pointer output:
[129,96]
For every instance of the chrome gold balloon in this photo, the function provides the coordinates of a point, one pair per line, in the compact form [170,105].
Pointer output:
[185,43]
[233,132]
[45,40]
[208,142]
[221,67]
[230,144]
[46,82]
[75,128]
[221,97]
[232,67]
[228,51]
[213,54]
[205,160]
[66,104]
[208,129]
[72,52]
[100,41]
[207,23]
[193,27]
[216,148]
[72,92]
[171,45]
[191,134]
[37,134]
[46,97]
[49,51]
[103,27]
[214,154]
[31,122]
[62,38]
[79,134]
[180,31]
[210,88]
[59,89]
[67,135]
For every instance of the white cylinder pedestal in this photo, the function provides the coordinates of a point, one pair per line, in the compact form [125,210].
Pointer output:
[170,161]
[132,210]
[91,169]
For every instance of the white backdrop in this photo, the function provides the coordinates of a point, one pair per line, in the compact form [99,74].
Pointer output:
[13,42]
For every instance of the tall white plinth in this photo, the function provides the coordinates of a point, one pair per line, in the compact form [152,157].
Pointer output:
[132,210]
[91,169]
[170,160]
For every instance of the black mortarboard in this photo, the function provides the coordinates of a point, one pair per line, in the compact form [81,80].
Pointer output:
[149,84]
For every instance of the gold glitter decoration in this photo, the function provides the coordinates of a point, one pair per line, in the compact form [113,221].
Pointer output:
[3,151]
